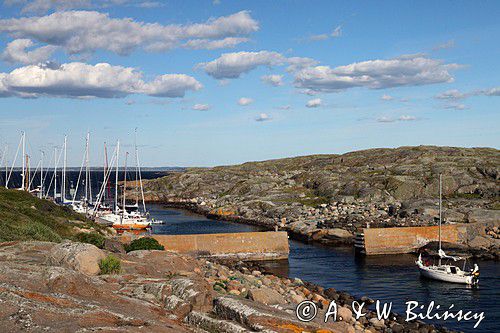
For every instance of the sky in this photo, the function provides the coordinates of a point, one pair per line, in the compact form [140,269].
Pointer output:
[207,83]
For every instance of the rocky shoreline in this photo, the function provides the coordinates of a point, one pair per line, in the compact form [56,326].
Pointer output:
[56,286]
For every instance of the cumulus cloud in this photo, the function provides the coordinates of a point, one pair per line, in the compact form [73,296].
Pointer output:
[244,101]
[263,117]
[201,107]
[407,70]
[386,97]
[16,52]
[83,32]
[80,80]
[314,103]
[273,79]
[232,65]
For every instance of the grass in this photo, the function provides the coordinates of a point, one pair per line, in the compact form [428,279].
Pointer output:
[110,265]
[93,238]
[24,217]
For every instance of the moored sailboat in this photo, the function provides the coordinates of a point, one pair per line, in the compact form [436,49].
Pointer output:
[447,272]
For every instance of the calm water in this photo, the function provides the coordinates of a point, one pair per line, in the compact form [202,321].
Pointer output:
[387,278]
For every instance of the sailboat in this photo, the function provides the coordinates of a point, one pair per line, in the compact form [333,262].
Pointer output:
[447,272]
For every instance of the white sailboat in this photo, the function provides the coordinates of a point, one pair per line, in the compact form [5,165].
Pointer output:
[447,272]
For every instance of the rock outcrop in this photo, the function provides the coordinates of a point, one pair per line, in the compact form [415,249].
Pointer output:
[314,197]
[159,291]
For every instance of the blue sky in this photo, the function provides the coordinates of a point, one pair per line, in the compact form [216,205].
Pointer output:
[371,74]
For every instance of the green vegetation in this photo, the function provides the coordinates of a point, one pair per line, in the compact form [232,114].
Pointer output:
[110,265]
[145,243]
[25,217]
[92,238]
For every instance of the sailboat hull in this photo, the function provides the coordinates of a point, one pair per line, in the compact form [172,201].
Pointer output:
[443,273]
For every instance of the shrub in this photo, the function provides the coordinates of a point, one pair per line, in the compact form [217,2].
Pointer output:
[145,243]
[110,265]
[92,238]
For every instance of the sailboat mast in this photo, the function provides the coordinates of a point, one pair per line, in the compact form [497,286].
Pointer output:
[86,168]
[24,160]
[124,186]
[55,173]
[63,190]
[41,175]
[440,212]
[116,175]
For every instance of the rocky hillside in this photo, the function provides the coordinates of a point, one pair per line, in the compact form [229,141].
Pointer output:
[25,217]
[342,192]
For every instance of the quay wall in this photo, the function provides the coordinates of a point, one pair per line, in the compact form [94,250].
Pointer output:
[408,239]
[239,246]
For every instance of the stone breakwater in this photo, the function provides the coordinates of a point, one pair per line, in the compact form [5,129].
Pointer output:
[55,287]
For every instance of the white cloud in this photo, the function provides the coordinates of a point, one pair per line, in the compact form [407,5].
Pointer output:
[453,94]
[385,119]
[201,107]
[337,32]
[273,79]
[43,6]
[298,63]
[491,92]
[263,117]
[446,45]
[80,80]
[407,118]
[244,101]
[232,65]
[314,103]
[456,106]
[16,52]
[207,44]
[407,70]
[83,32]
[386,98]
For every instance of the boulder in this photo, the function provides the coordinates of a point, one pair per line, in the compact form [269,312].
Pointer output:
[113,245]
[480,242]
[266,296]
[339,233]
[479,215]
[81,257]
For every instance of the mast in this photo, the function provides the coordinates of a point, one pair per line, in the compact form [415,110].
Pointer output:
[41,175]
[440,212]
[136,170]
[55,173]
[116,175]
[28,170]
[140,175]
[124,187]
[23,138]
[63,190]
[86,169]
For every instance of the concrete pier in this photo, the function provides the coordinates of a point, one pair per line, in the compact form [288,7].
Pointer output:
[238,246]
[406,239]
